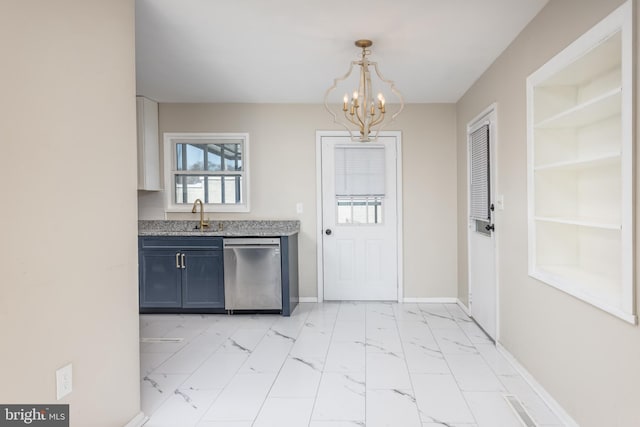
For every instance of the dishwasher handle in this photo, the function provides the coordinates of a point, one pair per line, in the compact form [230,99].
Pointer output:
[252,243]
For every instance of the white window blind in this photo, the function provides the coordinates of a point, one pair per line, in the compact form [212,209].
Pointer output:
[360,171]
[480,186]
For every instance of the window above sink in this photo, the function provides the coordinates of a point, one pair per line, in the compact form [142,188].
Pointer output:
[212,167]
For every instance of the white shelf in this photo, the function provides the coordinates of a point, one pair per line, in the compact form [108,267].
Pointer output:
[599,108]
[580,168]
[607,159]
[596,289]
[582,222]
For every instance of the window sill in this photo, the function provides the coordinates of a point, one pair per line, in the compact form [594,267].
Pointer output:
[209,209]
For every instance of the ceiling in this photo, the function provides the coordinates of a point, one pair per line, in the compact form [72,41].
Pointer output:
[289,51]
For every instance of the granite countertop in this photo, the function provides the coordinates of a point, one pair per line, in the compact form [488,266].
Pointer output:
[224,228]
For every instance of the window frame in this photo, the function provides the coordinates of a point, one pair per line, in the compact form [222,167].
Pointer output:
[171,139]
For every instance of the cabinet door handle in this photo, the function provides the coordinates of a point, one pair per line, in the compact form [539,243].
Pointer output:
[178,260]
[183,261]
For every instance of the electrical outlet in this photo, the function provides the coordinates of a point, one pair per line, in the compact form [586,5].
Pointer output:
[299,207]
[64,381]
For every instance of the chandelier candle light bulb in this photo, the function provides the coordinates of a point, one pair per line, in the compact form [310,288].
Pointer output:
[371,118]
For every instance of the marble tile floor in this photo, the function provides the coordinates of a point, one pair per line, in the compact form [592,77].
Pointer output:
[330,365]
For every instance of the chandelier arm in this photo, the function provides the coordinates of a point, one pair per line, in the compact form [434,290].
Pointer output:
[350,119]
[331,89]
[392,85]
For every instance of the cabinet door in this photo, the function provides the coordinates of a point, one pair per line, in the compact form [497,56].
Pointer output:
[159,279]
[202,280]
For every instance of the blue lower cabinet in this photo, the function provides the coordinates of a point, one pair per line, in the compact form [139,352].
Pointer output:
[202,282]
[160,279]
[180,274]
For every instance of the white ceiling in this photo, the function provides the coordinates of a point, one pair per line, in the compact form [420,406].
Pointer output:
[289,51]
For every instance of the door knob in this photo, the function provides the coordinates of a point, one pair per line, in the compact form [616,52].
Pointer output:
[490,227]
[328,232]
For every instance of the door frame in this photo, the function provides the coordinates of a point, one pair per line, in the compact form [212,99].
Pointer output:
[489,114]
[320,134]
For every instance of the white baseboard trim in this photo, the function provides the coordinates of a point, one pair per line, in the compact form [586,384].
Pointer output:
[430,300]
[463,307]
[535,385]
[308,299]
[138,420]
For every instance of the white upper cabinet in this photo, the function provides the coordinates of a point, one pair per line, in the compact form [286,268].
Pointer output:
[580,160]
[148,145]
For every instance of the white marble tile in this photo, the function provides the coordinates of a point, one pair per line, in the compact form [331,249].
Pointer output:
[224,424]
[392,408]
[345,357]
[184,408]
[453,341]
[440,400]
[341,397]
[407,313]
[498,363]
[387,371]
[217,371]
[416,331]
[162,347]
[270,354]
[299,377]
[384,340]
[354,363]
[474,333]
[424,359]
[242,398]
[351,312]
[449,425]
[150,361]
[284,412]
[311,344]
[437,316]
[191,356]
[337,424]
[457,313]
[156,388]
[491,409]
[243,340]
[532,402]
[472,373]
[348,331]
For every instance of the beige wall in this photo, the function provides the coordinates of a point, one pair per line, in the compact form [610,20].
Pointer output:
[283,151]
[68,245]
[587,359]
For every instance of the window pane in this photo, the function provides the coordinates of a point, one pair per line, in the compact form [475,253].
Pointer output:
[189,188]
[214,189]
[232,156]
[190,157]
[359,210]
[233,189]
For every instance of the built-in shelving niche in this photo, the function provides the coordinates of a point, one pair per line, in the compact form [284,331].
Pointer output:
[580,179]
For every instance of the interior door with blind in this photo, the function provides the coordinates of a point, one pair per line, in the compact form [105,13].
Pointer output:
[359,218]
[482,250]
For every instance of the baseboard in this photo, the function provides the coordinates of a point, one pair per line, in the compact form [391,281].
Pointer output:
[463,307]
[535,385]
[138,420]
[430,300]
[308,299]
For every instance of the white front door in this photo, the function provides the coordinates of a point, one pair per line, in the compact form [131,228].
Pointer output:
[359,219]
[482,244]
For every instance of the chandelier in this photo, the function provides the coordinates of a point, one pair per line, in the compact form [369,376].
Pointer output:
[365,114]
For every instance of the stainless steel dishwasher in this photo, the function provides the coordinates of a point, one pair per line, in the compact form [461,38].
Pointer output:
[252,274]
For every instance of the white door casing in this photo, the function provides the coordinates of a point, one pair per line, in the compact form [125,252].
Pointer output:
[358,260]
[483,279]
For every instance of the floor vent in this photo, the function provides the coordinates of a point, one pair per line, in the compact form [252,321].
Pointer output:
[520,411]
[161,340]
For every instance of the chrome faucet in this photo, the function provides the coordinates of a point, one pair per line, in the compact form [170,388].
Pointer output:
[203,223]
